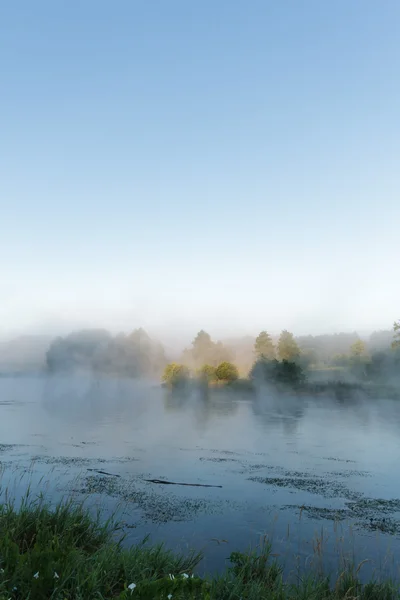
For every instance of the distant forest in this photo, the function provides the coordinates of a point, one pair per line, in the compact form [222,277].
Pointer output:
[137,355]
[133,355]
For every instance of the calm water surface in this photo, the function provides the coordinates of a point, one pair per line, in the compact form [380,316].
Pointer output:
[318,477]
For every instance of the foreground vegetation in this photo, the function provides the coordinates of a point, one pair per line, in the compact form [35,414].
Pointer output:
[66,554]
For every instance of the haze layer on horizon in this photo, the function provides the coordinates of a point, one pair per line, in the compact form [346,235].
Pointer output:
[225,165]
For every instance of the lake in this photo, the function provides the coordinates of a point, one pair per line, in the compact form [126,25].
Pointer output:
[316,477]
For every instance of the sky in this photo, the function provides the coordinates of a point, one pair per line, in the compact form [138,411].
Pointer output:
[228,165]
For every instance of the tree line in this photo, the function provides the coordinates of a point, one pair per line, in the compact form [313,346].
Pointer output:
[284,361]
[137,355]
[132,355]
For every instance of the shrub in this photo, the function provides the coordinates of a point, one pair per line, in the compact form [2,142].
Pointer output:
[207,373]
[226,371]
[175,374]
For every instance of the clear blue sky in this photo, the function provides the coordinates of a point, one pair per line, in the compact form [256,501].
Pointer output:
[226,164]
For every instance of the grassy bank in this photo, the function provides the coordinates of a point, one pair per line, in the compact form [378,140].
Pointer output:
[65,554]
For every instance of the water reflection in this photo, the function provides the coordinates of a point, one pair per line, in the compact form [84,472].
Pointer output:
[274,411]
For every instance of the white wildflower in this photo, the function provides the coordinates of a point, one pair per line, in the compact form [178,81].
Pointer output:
[185,576]
[169,596]
[131,586]
[56,575]
[1,571]
[36,575]
[171,577]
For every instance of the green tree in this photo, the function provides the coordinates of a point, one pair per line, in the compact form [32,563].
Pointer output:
[208,373]
[275,372]
[289,373]
[263,370]
[358,349]
[287,347]
[264,346]
[226,371]
[359,359]
[202,346]
[396,335]
[205,351]
[220,354]
[175,374]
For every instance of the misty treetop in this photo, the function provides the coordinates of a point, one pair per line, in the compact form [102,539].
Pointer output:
[133,355]
[264,346]
[358,349]
[326,347]
[205,351]
[288,348]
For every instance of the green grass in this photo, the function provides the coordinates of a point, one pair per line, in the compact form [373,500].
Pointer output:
[66,554]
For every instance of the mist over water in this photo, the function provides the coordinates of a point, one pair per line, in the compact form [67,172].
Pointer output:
[229,166]
[290,466]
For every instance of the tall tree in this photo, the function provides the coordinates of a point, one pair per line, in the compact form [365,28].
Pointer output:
[396,336]
[358,349]
[202,347]
[264,346]
[287,347]
[205,351]
[220,354]
[359,359]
